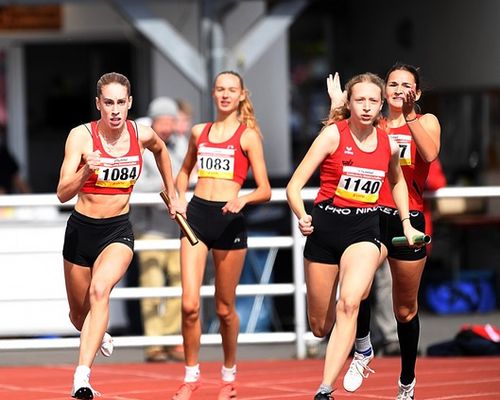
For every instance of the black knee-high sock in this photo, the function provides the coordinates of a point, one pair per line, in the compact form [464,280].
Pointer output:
[408,334]
[363,326]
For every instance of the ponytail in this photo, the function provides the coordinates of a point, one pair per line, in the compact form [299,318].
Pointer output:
[247,114]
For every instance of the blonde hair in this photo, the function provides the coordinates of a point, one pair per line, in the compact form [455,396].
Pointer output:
[246,112]
[342,112]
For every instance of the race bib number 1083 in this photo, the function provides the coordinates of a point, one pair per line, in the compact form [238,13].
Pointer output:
[216,163]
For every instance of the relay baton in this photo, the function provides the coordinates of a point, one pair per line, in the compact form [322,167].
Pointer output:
[179,218]
[400,241]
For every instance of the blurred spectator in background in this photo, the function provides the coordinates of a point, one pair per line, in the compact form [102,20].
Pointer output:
[184,117]
[11,180]
[183,132]
[157,268]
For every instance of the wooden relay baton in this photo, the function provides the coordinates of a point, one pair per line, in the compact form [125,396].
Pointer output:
[179,218]
[400,241]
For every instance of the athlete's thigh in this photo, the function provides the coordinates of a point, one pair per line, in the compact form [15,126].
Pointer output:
[357,269]
[228,266]
[321,282]
[77,279]
[111,265]
[193,263]
[406,277]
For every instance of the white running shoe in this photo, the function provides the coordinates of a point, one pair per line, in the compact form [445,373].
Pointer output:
[81,387]
[358,370]
[406,392]
[107,345]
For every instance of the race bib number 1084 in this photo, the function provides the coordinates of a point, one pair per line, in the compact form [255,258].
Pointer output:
[118,172]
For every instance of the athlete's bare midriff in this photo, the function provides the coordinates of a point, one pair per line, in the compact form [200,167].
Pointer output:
[102,205]
[216,189]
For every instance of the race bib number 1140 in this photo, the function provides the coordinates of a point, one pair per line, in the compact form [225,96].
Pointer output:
[360,184]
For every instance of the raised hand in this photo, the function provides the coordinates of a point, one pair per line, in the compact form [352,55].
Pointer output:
[409,98]
[337,96]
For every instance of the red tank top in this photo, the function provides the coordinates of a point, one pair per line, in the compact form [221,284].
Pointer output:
[225,160]
[117,174]
[415,170]
[351,176]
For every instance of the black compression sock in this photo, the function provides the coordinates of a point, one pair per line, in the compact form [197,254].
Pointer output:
[408,334]
[364,316]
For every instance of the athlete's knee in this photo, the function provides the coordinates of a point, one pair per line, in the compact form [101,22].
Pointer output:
[77,318]
[190,310]
[99,292]
[319,329]
[225,311]
[406,313]
[348,306]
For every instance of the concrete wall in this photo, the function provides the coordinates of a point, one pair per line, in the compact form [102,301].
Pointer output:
[267,89]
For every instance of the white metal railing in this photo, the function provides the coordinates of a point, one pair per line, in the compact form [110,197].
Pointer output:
[295,288]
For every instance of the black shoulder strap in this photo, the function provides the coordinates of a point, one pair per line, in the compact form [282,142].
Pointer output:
[86,127]
[136,129]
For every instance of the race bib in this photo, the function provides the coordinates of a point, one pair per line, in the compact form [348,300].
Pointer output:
[119,172]
[215,163]
[404,143]
[360,184]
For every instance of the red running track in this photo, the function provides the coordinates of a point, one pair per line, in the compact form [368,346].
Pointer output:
[437,378]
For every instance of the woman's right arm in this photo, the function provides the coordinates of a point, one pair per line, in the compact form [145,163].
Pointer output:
[71,179]
[325,144]
[182,180]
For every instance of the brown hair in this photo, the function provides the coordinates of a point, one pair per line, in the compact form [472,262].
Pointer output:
[415,71]
[342,112]
[245,109]
[112,77]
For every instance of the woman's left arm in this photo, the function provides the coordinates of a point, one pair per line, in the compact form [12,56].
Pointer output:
[400,193]
[151,141]
[251,144]
[426,132]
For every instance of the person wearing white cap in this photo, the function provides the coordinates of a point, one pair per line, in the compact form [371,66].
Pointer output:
[158,268]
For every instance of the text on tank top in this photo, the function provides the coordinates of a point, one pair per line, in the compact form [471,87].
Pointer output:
[224,160]
[116,175]
[415,169]
[351,176]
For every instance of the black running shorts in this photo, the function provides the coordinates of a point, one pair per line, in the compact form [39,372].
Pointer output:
[86,237]
[216,230]
[391,226]
[335,229]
